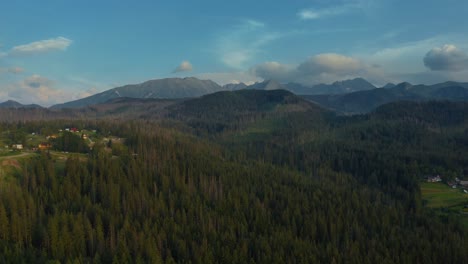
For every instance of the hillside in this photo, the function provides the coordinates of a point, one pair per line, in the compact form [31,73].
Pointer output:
[229,110]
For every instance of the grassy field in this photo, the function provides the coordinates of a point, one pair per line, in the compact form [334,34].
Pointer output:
[450,201]
[439,195]
[10,165]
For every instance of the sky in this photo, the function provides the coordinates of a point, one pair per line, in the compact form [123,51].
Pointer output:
[61,50]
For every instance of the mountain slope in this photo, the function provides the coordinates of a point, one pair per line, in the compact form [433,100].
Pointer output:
[162,88]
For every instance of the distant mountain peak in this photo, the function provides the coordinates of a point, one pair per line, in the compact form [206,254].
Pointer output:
[389,85]
[235,86]
[404,85]
[358,80]
[168,88]
[15,104]
[338,87]
[268,85]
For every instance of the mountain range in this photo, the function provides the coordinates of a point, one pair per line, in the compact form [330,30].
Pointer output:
[348,96]
[368,100]
[173,88]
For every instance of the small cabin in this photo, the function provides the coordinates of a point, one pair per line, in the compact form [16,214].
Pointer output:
[434,178]
[17,146]
[43,146]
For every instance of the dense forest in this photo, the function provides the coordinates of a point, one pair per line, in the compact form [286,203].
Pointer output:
[281,181]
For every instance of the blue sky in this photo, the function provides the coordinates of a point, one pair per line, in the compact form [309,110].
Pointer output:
[55,51]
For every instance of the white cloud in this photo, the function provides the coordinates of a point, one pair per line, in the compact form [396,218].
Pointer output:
[185,66]
[330,63]
[405,61]
[311,13]
[42,46]
[239,46]
[446,58]
[335,10]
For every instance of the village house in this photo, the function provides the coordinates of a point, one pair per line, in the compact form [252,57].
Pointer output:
[434,178]
[17,146]
[51,137]
[44,146]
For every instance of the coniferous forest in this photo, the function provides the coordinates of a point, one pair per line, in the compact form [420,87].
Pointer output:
[271,180]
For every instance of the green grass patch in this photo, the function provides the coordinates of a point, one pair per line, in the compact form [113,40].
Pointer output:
[17,155]
[446,200]
[33,141]
[440,195]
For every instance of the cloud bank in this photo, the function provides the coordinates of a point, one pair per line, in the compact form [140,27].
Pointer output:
[35,89]
[446,58]
[321,68]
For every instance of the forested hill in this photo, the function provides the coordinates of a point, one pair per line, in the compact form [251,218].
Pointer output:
[229,103]
[234,110]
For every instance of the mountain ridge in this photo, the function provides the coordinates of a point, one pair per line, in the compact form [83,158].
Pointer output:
[15,104]
[168,88]
[368,100]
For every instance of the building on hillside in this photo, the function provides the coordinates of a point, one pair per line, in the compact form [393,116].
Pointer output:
[434,178]
[44,146]
[51,137]
[17,146]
